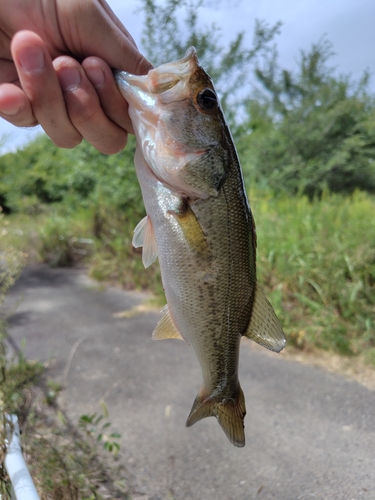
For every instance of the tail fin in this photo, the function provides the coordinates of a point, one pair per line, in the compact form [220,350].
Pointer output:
[230,413]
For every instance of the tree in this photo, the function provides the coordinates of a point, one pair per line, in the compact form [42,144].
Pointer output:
[310,130]
[171,27]
[41,173]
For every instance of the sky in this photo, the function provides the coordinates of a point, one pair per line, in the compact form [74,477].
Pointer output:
[347,24]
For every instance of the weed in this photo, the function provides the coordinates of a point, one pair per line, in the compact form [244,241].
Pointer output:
[317,260]
[15,375]
[64,240]
[53,390]
[94,428]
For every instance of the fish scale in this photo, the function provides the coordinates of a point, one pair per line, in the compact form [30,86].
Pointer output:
[200,227]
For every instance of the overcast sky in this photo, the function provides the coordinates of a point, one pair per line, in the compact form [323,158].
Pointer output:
[348,24]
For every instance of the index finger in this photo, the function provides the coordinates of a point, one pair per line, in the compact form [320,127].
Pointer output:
[111,99]
[40,84]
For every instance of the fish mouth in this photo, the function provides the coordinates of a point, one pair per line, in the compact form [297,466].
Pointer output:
[168,82]
[134,88]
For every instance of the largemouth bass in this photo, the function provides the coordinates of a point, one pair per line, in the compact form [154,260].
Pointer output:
[200,226]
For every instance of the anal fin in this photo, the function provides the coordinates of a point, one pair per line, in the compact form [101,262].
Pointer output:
[166,328]
[264,327]
[144,236]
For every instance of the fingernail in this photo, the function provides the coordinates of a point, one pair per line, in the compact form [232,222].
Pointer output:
[31,59]
[69,78]
[96,76]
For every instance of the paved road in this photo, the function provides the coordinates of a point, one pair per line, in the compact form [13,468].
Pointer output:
[309,434]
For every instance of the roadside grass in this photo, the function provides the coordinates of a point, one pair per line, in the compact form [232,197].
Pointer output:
[20,232]
[115,259]
[11,381]
[98,239]
[316,262]
[66,461]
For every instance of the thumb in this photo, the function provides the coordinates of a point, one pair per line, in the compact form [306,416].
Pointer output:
[90,28]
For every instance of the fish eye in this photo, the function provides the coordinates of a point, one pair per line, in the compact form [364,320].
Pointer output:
[207,100]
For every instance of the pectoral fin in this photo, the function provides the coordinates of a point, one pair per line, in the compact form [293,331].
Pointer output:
[144,236]
[264,327]
[192,230]
[166,328]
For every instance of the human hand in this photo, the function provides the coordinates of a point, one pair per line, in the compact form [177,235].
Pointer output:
[47,78]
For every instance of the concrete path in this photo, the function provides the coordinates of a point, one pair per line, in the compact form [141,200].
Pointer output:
[309,434]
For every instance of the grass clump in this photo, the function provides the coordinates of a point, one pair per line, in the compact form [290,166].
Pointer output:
[66,461]
[72,461]
[65,240]
[317,260]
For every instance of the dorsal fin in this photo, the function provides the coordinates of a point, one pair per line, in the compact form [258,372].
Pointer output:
[144,236]
[166,328]
[264,327]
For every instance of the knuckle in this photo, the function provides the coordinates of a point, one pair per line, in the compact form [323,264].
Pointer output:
[48,104]
[108,144]
[67,143]
[111,149]
[83,109]
[87,116]
[142,66]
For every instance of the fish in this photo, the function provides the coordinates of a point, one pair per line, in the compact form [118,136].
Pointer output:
[200,226]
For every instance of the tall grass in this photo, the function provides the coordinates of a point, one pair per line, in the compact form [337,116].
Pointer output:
[317,260]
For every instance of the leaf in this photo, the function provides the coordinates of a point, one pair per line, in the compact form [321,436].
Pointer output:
[61,417]
[98,419]
[108,446]
[104,409]
[85,419]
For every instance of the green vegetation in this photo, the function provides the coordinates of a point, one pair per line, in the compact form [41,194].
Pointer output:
[308,134]
[317,262]
[65,461]
[310,131]
[12,380]
[307,145]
